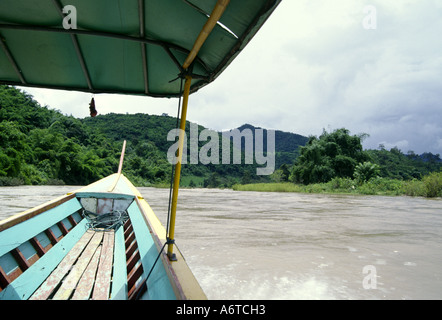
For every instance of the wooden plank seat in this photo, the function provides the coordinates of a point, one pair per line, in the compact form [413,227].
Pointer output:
[85,272]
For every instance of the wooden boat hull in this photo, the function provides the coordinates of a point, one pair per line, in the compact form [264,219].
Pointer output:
[59,251]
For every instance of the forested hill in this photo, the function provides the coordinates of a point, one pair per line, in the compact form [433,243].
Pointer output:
[286,143]
[39,145]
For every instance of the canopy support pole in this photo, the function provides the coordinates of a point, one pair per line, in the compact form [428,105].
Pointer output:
[176,181]
[77,49]
[11,60]
[217,12]
[143,45]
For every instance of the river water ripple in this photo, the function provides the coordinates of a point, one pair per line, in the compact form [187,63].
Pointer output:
[253,245]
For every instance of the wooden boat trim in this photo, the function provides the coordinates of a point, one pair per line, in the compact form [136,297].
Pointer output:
[184,283]
[30,213]
[25,285]
[120,167]
[180,277]
[181,283]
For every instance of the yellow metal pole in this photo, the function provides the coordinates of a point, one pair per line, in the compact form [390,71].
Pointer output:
[176,181]
[216,14]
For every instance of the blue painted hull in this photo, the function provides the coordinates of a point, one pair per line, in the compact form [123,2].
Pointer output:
[38,247]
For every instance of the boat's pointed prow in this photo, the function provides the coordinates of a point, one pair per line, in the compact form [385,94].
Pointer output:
[55,248]
[54,231]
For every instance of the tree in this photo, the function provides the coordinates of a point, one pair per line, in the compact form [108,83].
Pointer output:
[365,171]
[334,154]
[285,172]
[13,149]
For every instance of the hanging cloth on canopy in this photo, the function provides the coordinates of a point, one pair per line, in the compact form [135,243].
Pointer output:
[92,109]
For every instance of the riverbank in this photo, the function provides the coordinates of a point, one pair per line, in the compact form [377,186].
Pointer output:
[430,186]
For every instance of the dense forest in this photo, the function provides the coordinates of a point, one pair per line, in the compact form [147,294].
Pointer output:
[339,154]
[39,145]
[335,162]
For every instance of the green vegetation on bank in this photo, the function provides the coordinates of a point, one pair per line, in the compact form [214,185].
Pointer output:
[429,186]
[39,146]
[336,163]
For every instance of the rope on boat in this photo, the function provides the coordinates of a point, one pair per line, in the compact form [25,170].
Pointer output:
[169,241]
[105,221]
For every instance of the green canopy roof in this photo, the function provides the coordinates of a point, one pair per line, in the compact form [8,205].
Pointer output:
[116,46]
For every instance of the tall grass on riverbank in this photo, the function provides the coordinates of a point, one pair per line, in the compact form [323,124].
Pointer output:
[429,186]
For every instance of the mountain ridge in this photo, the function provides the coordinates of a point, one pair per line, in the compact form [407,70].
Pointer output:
[39,145]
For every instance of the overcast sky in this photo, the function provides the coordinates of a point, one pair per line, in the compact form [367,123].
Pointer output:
[370,66]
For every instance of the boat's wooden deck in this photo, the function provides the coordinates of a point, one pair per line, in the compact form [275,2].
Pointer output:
[68,261]
[84,273]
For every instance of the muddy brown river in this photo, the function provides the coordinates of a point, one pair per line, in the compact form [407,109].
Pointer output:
[258,245]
